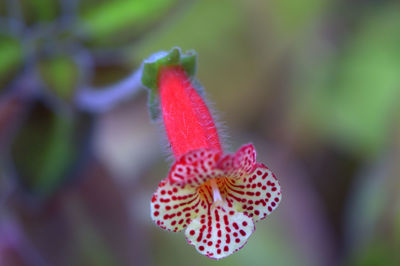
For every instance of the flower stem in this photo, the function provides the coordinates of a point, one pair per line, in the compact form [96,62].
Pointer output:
[104,99]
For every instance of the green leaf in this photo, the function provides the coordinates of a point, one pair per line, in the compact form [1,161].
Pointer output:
[47,148]
[61,75]
[40,10]
[10,57]
[110,17]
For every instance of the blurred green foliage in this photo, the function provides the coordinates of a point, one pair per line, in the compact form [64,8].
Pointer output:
[40,11]
[61,75]
[109,18]
[317,82]
[357,90]
[44,150]
[11,55]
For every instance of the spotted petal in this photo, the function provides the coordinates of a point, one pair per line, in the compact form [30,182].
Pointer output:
[256,195]
[245,158]
[219,233]
[241,163]
[174,206]
[195,167]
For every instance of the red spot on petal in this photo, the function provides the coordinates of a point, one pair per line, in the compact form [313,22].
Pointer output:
[235,226]
[216,216]
[226,220]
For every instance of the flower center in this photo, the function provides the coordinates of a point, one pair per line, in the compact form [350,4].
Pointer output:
[212,193]
[215,190]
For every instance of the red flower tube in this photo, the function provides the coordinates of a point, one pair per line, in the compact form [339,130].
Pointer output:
[188,123]
[217,197]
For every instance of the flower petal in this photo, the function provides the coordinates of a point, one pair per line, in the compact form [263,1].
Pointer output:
[256,195]
[245,158]
[195,167]
[219,233]
[174,206]
[241,163]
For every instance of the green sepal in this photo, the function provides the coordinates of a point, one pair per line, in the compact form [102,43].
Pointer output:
[151,68]
[189,63]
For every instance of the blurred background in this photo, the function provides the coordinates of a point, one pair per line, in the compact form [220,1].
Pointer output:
[315,85]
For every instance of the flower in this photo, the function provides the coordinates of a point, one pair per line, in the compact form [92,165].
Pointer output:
[217,197]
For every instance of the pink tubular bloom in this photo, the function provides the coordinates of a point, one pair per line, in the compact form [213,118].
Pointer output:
[188,122]
[217,197]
